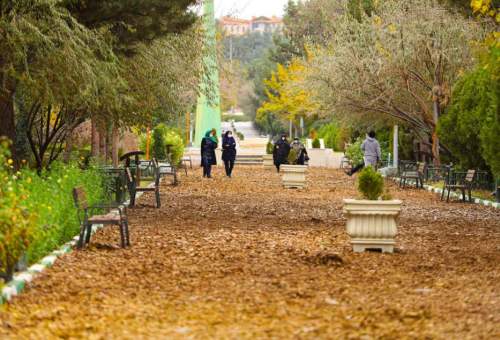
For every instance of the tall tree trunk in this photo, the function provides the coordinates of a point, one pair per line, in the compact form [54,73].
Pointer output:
[115,138]
[109,142]
[435,138]
[8,122]
[68,148]
[102,142]
[94,139]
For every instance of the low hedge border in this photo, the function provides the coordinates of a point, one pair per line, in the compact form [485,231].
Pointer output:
[453,194]
[16,286]
[20,281]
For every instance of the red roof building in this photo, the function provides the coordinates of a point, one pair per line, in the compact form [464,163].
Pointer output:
[235,26]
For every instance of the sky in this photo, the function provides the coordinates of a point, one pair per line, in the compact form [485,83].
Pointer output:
[248,8]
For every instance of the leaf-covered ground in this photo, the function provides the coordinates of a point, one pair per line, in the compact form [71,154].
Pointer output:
[244,258]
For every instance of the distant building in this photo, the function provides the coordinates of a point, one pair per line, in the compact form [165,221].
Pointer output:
[265,24]
[235,26]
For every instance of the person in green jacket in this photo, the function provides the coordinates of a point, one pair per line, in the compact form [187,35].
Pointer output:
[208,145]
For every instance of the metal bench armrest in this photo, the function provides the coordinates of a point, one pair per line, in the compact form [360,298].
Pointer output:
[122,208]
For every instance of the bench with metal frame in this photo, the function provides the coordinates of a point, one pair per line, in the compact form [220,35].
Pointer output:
[184,162]
[115,182]
[111,218]
[457,180]
[134,186]
[412,172]
[166,169]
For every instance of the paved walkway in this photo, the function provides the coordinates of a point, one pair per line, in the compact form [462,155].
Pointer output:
[244,258]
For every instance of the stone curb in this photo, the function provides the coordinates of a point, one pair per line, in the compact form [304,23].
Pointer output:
[439,191]
[20,280]
[16,286]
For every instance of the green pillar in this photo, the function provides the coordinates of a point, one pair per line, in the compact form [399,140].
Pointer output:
[208,115]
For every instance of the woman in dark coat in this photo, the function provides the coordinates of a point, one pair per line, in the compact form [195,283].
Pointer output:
[281,151]
[208,146]
[229,152]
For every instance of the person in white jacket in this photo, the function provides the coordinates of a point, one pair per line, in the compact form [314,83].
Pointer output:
[371,151]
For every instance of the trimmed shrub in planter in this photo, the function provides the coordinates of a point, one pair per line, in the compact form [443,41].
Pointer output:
[294,176]
[292,157]
[372,222]
[370,184]
[316,144]
[267,159]
[269,148]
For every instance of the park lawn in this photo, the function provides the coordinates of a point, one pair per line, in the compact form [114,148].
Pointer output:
[478,193]
[244,258]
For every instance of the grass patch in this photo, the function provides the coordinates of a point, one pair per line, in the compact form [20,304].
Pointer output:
[50,198]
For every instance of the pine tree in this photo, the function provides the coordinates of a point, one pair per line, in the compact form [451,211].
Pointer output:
[134,21]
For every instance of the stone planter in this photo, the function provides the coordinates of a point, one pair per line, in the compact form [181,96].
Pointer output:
[372,224]
[268,162]
[294,176]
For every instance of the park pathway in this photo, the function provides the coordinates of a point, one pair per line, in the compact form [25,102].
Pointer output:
[243,258]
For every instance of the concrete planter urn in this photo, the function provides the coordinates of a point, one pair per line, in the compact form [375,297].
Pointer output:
[268,162]
[372,224]
[294,176]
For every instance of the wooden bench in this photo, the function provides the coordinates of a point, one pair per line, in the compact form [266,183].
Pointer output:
[166,169]
[409,172]
[185,160]
[111,218]
[134,186]
[116,183]
[456,181]
[133,157]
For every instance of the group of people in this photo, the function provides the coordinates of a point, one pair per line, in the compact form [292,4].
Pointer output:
[281,152]
[282,148]
[208,146]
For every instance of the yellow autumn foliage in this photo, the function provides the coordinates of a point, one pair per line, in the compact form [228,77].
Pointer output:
[485,8]
[287,99]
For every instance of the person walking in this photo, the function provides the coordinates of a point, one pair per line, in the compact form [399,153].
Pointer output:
[229,152]
[281,151]
[208,145]
[371,151]
[301,151]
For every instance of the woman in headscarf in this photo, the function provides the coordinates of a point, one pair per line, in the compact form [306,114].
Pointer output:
[281,151]
[228,152]
[208,146]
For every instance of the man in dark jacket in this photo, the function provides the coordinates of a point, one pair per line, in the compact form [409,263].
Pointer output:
[281,151]
[228,152]
[208,158]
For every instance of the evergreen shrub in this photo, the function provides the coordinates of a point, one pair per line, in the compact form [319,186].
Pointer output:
[370,183]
